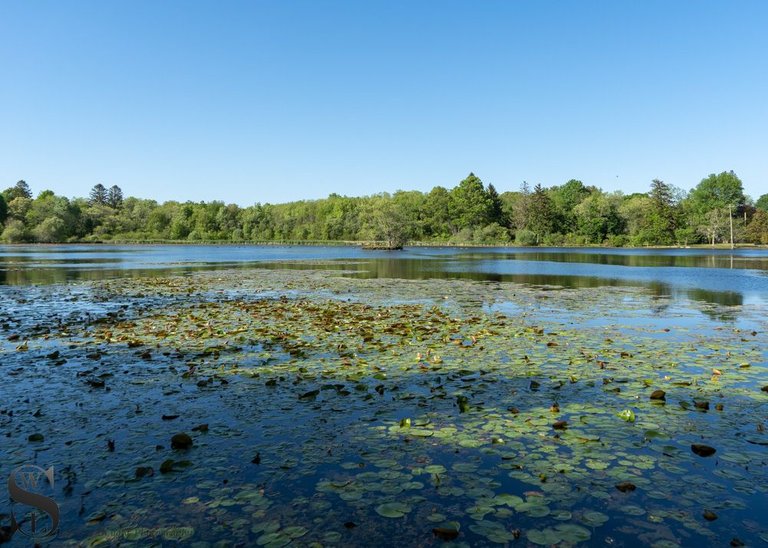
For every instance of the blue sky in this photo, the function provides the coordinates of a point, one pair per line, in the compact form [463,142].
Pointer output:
[279,100]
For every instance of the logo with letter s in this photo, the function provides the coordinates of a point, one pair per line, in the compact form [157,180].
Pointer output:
[33,513]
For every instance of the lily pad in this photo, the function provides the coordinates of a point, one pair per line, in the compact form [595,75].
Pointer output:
[393,509]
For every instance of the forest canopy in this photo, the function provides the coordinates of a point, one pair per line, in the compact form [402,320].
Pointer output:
[469,213]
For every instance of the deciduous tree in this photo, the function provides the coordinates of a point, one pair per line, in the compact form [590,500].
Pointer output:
[470,204]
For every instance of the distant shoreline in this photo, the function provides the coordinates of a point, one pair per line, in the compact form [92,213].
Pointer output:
[321,243]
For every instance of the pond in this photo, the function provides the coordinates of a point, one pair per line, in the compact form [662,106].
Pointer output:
[721,276]
[324,396]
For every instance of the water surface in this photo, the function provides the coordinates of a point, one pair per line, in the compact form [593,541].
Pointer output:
[728,277]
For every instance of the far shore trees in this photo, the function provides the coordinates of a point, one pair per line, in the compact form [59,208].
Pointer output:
[471,212]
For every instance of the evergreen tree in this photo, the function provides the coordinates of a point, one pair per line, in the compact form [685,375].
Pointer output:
[19,190]
[662,218]
[114,197]
[540,213]
[497,207]
[98,195]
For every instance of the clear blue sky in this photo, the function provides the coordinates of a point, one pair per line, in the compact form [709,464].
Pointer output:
[281,100]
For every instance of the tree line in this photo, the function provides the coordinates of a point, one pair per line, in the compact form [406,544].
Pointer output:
[469,213]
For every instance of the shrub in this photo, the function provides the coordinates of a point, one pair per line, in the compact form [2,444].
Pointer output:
[14,232]
[525,237]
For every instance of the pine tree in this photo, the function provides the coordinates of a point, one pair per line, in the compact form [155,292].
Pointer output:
[115,197]
[540,213]
[19,190]
[98,195]
[497,211]
[662,218]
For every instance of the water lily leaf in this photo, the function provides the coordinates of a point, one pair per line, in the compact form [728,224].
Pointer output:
[295,531]
[393,509]
[626,415]
[572,533]
[544,537]
[273,539]
[507,499]
[434,469]
[594,518]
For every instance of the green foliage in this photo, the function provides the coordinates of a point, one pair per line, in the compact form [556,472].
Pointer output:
[3,210]
[718,192]
[565,198]
[49,230]
[98,195]
[663,215]
[19,190]
[525,237]
[757,229]
[497,215]
[762,202]
[494,233]
[685,236]
[114,197]
[437,213]
[469,213]
[470,204]
[597,216]
[541,213]
[14,233]
[712,202]
[386,222]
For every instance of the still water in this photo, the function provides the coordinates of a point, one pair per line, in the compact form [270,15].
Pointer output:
[722,277]
[342,397]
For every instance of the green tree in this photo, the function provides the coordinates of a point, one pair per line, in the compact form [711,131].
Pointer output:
[521,208]
[712,202]
[718,191]
[598,216]
[662,214]
[98,195]
[410,205]
[497,215]
[565,198]
[18,208]
[181,223]
[762,202]
[384,221]
[19,190]
[757,229]
[508,201]
[540,214]
[114,197]
[437,214]
[471,206]
[50,230]
[15,232]
[3,210]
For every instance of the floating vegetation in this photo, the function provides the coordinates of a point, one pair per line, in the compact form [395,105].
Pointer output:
[271,408]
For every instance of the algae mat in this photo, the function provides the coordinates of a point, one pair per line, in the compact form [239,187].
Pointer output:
[277,408]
